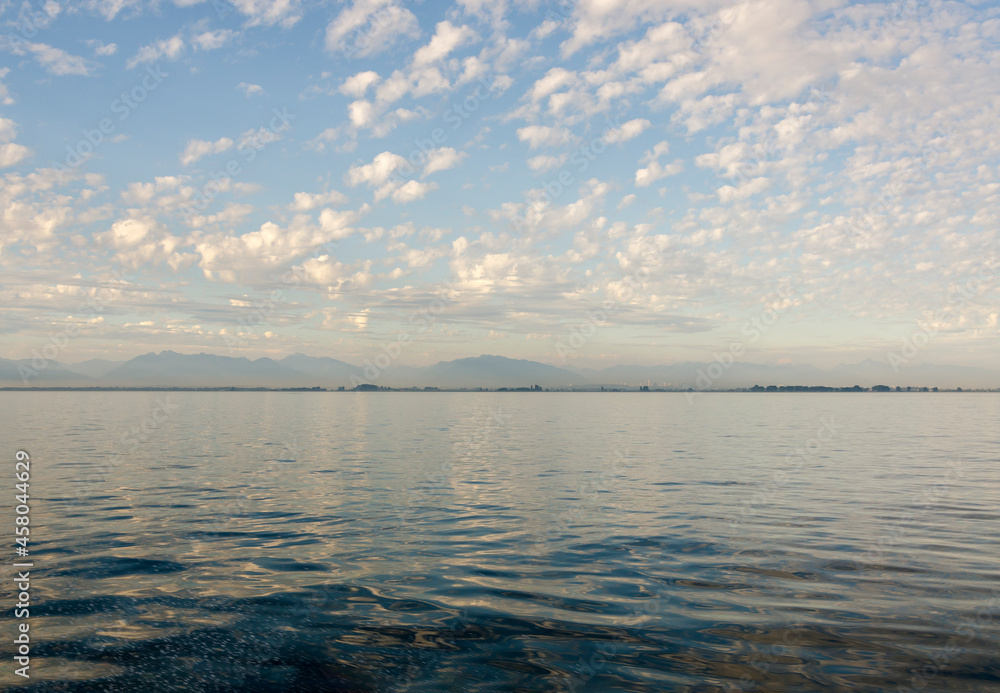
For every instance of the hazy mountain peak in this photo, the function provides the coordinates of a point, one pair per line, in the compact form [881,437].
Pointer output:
[169,368]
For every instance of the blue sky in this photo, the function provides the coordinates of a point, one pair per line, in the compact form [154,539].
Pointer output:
[583,183]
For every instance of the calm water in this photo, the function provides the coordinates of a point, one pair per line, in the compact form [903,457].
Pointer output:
[509,541]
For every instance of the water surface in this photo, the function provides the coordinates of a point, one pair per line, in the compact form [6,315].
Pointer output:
[480,542]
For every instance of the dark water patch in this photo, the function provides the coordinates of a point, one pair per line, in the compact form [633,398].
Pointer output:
[103,567]
[202,535]
[556,602]
[287,564]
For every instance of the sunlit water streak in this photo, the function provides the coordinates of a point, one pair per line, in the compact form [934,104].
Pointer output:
[510,541]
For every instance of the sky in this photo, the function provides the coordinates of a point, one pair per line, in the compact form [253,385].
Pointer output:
[581,183]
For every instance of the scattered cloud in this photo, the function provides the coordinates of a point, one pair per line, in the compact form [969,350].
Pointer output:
[544,136]
[197,149]
[5,98]
[250,89]
[12,154]
[169,49]
[721,147]
[357,85]
[627,131]
[55,60]
[369,27]
[212,40]
[102,49]
[306,202]
[441,160]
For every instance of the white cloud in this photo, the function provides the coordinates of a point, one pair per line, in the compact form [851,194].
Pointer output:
[196,149]
[211,40]
[170,49]
[101,48]
[268,251]
[357,85]
[412,190]
[447,38]
[57,61]
[729,193]
[430,71]
[109,9]
[661,149]
[5,97]
[320,141]
[368,27]
[128,233]
[8,130]
[259,138]
[376,173]
[554,80]
[542,162]
[441,160]
[361,113]
[141,194]
[284,13]
[249,89]
[655,171]
[305,202]
[385,171]
[597,20]
[627,131]
[542,135]
[12,154]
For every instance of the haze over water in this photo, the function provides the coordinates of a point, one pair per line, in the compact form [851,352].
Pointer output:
[511,541]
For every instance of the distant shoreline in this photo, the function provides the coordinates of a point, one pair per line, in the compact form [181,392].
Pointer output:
[598,390]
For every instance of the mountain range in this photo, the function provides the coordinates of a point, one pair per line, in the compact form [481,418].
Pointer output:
[171,369]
